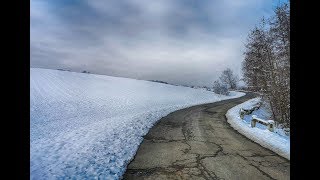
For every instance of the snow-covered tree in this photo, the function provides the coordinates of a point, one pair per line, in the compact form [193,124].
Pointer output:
[229,79]
[220,88]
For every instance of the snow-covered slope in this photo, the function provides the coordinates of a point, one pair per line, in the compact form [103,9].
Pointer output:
[85,125]
[277,143]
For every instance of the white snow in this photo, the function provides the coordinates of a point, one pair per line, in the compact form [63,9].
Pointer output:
[86,125]
[275,141]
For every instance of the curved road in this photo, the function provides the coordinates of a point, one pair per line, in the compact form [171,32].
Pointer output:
[198,143]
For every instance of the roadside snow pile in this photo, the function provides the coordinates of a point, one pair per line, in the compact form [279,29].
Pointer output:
[276,141]
[86,125]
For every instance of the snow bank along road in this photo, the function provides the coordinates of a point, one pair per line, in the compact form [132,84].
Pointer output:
[198,143]
[86,125]
[276,142]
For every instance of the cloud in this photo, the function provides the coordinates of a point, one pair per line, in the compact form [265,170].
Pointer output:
[179,41]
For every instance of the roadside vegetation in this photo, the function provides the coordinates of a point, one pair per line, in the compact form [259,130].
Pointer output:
[226,82]
[266,66]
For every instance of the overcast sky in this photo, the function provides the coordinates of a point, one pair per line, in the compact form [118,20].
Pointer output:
[179,41]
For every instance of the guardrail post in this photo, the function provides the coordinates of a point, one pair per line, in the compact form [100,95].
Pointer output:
[271,125]
[253,121]
[241,112]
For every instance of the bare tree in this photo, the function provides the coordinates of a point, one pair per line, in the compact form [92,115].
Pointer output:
[280,33]
[266,67]
[228,78]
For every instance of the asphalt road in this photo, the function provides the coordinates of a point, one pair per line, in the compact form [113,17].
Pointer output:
[198,143]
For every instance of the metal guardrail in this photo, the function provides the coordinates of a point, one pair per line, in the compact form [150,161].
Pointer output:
[243,111]
[268,123]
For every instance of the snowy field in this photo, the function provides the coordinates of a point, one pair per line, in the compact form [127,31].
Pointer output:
[86,125]
[276,141]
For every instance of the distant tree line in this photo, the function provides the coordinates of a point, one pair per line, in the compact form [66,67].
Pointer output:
[266,66]
[64,69]
[158,81]
[86,72]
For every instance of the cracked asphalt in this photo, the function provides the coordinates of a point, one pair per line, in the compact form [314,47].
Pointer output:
[198,143]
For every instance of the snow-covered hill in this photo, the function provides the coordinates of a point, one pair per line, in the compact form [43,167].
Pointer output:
[85,125]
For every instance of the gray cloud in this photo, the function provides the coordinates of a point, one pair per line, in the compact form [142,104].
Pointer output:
[179,41]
